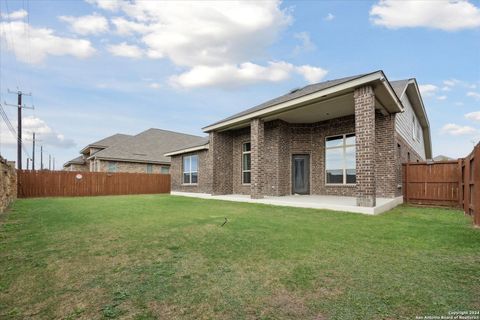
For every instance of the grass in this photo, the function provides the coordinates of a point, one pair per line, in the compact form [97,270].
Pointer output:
[149,257]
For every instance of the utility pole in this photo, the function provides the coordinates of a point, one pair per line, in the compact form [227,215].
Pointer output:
[53,163]
[19,123]
[28,162]
[49,162]
[34,141]
[41,157]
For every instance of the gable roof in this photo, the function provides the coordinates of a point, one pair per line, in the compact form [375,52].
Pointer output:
[148,146]
[311,92]
[411,89]
[107,142]
[200,145]
[77,160]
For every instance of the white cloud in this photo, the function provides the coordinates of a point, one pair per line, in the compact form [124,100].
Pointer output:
[110,5]
[127,27]
[42,130]
[311,74]
[306,43]
[446,88]
[229,75]
[451,82]
[474,116]
[125,50]
[220,37]
[155,85]
[428,90]
[442,98]
[447,15]
[457,130]
[89,24]
[43,42]
[329,17]
[474,95]
[15,15]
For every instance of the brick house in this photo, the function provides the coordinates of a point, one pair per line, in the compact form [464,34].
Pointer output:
[141,153]
[344,137]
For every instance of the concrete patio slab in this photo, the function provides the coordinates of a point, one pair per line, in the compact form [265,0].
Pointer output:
[335,203]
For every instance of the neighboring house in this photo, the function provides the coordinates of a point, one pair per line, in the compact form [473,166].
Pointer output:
[82,163]
[141,153]
[345,137]
[442,158]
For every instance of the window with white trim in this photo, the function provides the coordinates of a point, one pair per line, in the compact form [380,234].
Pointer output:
[165,170]
[190,169]
[112,166]
[246,162]
[340,159]
[149,168]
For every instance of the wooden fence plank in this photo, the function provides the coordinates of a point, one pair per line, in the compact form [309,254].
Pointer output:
[66,184]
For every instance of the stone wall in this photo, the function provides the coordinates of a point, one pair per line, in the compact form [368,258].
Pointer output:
[8,183]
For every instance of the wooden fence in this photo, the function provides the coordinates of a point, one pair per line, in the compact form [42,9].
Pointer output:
[447,183]
[75,184]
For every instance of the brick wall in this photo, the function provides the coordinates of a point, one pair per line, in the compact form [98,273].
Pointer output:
[221,151]
[204,184]
[130,167]
[8,183]
[365,151]
[258,160]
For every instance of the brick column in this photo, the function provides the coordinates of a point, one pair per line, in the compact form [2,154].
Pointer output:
[221,161]
[258,161]
[364,99]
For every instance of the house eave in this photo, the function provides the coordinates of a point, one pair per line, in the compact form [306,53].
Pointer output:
[94,157]
[378,78]
[187,150]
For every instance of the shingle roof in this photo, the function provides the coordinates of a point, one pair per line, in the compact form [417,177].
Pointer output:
[295,94]
[148,146]
[399,86]
[202,142]
[77,160]
[110,141]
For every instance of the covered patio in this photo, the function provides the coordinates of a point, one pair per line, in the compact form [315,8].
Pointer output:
[335,203]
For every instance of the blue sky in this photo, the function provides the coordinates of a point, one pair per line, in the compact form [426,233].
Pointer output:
[98,67]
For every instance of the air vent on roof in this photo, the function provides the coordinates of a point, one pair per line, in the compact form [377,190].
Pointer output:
[295,90]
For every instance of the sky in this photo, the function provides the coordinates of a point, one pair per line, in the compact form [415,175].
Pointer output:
[96,67]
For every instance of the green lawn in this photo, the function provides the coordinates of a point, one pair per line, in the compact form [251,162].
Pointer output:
[149,257]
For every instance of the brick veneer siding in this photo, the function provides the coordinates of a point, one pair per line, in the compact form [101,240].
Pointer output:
[221,146]
[385,156]
[129,167]
[365,152]
[204,184]
[8,183]
[258,165]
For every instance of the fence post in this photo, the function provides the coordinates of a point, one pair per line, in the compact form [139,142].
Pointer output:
[476,185]
[406,182]
[460,189]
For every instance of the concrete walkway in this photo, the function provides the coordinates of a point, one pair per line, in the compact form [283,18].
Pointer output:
[336,203]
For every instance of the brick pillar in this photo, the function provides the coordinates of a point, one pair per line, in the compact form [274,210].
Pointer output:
[257,164]
[221,158]
[364,99]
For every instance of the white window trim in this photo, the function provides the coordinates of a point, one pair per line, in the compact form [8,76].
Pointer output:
[344,169]
[243,171]
[189,172]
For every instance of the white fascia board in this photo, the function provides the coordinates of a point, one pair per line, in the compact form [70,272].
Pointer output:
[284,105]
[174,153]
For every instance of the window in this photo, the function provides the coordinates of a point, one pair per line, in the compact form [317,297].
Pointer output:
[112,166]
[165,170]
[246,162]
[190,169]
[340,159]
[149,168]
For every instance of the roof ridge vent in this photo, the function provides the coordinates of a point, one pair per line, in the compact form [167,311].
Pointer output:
[294,90]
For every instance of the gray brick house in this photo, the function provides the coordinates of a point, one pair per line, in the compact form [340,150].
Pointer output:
[140,153]
[344,137]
